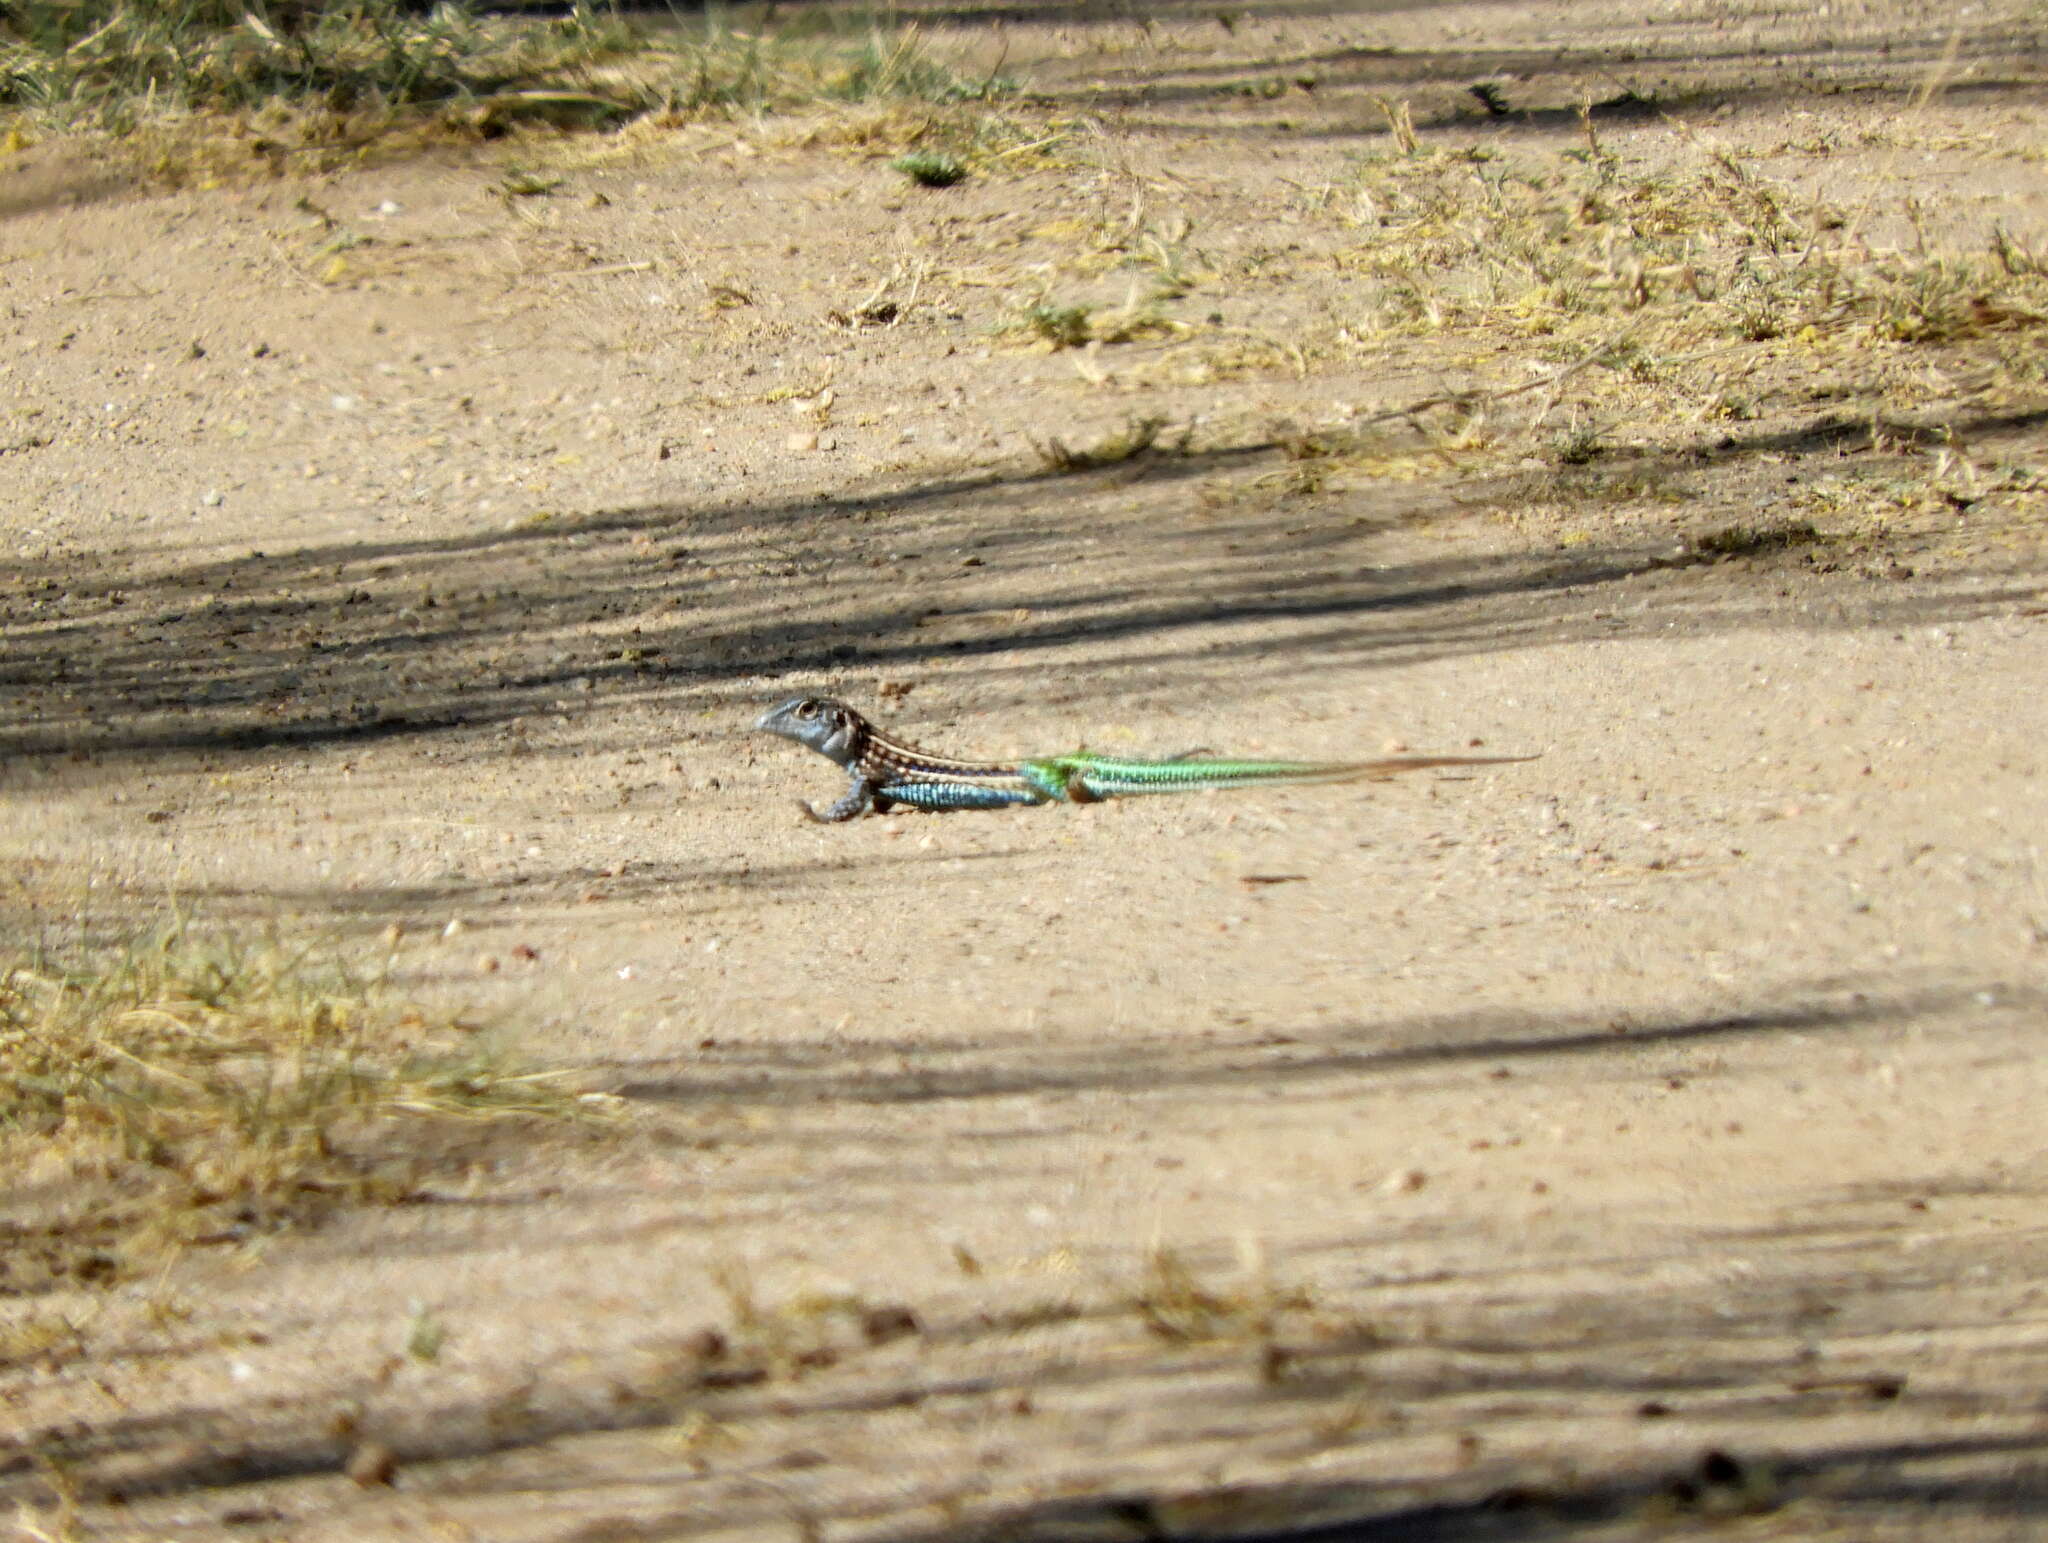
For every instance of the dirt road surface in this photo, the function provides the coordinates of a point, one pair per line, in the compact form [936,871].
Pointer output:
[1642,1140]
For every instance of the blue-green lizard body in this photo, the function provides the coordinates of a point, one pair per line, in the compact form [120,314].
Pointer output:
[885,772]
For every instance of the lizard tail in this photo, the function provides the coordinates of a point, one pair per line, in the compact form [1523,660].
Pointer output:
[1086,779]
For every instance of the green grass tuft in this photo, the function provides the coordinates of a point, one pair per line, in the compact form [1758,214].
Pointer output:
[931,168]
[1063,326]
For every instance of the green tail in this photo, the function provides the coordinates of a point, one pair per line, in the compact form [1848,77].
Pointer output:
[1084,778]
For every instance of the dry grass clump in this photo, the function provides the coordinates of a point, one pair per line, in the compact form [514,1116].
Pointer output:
[1674,295]
[1750,538]
[1700,254]
[348,72]
[817,60]
[118,62]
[1137,438]
[191,1088]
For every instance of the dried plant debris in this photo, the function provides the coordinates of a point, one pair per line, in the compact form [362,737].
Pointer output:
[193,1087]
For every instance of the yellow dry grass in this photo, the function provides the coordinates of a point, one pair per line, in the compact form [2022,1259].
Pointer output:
[193,1087]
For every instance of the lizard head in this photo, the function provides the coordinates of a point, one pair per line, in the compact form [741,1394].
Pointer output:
[819,723]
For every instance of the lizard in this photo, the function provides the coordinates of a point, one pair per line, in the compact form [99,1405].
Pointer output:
[884,772]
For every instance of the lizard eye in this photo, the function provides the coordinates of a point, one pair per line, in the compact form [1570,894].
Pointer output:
[807,710]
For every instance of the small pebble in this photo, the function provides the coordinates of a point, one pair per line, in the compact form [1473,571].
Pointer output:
[704,1345]
[372,1463]
[882,1324]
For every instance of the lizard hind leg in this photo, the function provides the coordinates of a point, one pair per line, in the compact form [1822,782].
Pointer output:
[1058,777]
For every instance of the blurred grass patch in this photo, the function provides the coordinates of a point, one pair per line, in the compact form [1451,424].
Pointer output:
[196,1087]
[303,74]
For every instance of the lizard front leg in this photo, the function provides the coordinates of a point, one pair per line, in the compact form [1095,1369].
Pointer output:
[859,795]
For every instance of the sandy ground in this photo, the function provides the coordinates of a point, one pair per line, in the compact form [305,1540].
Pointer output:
[1640,1140]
